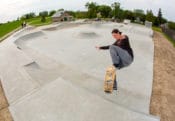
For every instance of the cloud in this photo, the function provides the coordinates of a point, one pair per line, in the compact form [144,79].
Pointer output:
[11,9]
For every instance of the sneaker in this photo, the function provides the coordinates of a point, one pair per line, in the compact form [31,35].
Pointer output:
[117,66]
[114,88]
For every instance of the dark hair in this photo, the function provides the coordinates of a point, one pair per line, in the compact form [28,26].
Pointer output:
[116,31]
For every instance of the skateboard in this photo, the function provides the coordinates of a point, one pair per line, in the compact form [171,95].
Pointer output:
[110,79]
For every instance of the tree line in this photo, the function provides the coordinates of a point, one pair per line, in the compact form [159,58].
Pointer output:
[113,11]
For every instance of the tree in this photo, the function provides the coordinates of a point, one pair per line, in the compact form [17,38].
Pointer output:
[72,13]
[52,12]
[139,14]
[159,16]
[43,19]
[92,9]
[129,15]
[116,9]
[61,9]
[155,23]
[121,14]
[150,16]
[164,20]
[81,14]
[104,10]
[43,15]
[28,16]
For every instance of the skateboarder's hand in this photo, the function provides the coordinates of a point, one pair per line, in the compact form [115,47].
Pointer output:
[97,47]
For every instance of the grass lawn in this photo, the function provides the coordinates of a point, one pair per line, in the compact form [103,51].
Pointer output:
[11,26]
[158,29]
[37,22]
[8,27]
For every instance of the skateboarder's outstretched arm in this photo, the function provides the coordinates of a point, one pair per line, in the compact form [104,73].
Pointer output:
[105,47]
[102,47]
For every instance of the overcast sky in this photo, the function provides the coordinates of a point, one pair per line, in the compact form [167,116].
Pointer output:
[11,9]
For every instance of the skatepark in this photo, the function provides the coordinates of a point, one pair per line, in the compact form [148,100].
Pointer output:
[54,73]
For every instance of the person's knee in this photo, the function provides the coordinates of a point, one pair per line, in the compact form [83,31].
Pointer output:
[112,48]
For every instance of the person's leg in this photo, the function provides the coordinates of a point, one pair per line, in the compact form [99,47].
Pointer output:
[125,58]
[115,85]
[115,56]
[120,57]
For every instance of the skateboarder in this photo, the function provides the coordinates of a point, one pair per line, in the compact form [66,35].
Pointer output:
[120,51]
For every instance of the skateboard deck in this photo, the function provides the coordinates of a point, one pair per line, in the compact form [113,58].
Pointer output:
[110,78]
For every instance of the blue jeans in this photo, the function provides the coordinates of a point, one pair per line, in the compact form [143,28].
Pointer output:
[120,57]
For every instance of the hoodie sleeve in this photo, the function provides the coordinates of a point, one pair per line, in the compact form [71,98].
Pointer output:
[107,47]
[104,47]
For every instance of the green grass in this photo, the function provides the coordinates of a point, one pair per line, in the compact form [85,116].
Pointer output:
[8,27]
[37,22]
[170,39]
[158,29]
[11,26]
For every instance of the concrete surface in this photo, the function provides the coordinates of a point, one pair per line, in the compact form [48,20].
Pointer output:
[68,102]
[48,71]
